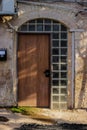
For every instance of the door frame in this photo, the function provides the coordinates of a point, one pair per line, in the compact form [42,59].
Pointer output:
[69,89]
[69,92]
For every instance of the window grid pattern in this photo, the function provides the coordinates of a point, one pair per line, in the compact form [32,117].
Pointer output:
[58,59]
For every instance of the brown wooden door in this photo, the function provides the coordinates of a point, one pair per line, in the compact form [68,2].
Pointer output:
[33,60]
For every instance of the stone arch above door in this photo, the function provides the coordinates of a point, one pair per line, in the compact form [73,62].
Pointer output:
[29,12]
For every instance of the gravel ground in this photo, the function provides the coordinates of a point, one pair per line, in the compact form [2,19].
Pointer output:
[59,120]
[64,126]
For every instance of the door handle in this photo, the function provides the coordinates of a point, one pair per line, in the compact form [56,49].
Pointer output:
[47,73]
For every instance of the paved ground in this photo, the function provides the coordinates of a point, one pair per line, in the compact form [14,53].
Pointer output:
[60,118]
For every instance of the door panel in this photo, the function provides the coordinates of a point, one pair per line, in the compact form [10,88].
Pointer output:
[33,60]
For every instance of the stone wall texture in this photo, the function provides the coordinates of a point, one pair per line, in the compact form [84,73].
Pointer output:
[6,73]
[66,13]
[81,70]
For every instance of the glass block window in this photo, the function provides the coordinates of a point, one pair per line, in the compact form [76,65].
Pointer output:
[59,52]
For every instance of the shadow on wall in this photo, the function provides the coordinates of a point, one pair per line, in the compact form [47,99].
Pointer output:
[82,51]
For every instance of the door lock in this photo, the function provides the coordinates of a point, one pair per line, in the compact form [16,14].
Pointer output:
[47,73]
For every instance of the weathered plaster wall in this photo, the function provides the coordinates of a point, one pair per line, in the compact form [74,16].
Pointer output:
[6,75]
[81,70]
[64,13]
